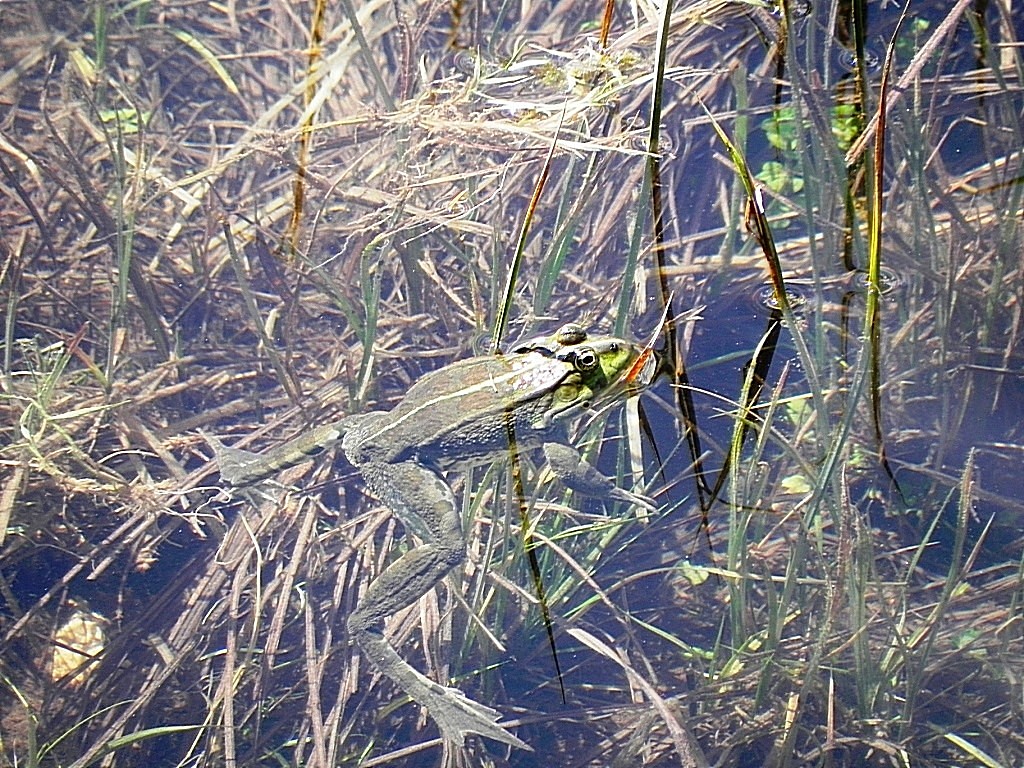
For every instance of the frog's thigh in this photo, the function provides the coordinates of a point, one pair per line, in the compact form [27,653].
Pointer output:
[426,506]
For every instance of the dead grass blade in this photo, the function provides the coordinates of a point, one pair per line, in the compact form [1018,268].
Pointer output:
[690,753]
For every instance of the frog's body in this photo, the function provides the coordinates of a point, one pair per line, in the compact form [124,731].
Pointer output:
[464,414]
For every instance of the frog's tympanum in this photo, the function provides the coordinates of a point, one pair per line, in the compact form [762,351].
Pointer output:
[464,414]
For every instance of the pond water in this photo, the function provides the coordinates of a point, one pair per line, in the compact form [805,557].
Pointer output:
[245,221]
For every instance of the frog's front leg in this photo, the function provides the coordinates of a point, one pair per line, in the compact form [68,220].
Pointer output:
[426,506]
[570,467]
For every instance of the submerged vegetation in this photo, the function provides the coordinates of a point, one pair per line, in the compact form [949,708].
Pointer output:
[252,218]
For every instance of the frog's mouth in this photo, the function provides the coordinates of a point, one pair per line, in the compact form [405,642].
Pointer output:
[581,392]
[643,371]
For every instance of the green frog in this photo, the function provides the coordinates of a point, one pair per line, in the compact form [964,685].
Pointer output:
[464,414]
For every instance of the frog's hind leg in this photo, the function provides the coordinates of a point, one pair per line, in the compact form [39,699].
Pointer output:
[426,506]
[241,468]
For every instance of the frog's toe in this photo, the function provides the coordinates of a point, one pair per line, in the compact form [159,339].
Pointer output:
[458,716]
[620,494]
[235,464]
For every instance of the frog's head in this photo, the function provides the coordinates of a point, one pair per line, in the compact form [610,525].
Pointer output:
[602,369]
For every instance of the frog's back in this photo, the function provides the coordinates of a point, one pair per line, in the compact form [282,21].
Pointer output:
[460,413]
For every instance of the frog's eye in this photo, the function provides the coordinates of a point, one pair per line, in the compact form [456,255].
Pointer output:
[585,359]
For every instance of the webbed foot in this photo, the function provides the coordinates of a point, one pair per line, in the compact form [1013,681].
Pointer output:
[240,468]
[457,715]
[235,465]
[646,502]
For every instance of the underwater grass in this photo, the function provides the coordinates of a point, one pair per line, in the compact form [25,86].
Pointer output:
[827,634]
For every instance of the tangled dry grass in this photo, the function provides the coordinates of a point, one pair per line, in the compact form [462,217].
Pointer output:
[159,278]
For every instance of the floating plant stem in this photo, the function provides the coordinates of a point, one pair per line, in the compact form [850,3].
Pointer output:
[316,34]
[505,307]
[873,325]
